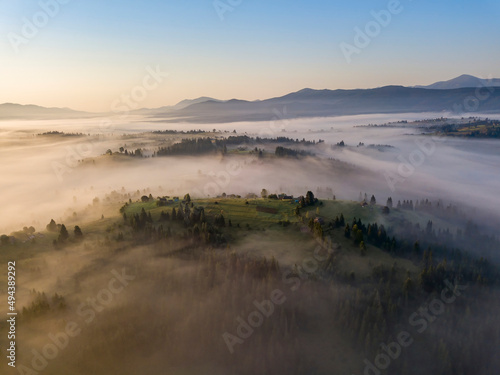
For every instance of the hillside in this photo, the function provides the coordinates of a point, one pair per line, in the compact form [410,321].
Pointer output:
[11,111]
[318,103]
[463,81]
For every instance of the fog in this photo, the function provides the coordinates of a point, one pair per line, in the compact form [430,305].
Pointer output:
[44,176]
[182,296]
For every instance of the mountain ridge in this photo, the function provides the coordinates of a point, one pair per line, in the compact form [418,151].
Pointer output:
[463,81]
[306,102]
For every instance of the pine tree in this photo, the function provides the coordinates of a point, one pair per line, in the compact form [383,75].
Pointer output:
[310,200]
[363,248]
[347,231]
[63,234]
[78,232]
[52,226]
[389,202]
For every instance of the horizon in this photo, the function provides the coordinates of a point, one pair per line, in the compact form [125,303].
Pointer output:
[211,98]
[85,55]
[249,187]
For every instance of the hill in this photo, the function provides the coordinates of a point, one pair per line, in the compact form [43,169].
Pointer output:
[319,103]
[463,81]
[11,111]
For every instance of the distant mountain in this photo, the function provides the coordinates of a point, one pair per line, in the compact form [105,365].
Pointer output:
[187,102]
[448,96]
[323,103]
[463,81]
[11,111]
[182,104]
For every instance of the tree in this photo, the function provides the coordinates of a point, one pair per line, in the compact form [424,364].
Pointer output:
[302,202]
[78,232]
[180,214]
[310,198]
[196,232]
[408,286]
[389,202]
[416,248]
[263,193]
[220,221]
[363,248]
[347,231]
[187,198]
[357,233]
[4,240]
[373,201]
[318,230]
[428,228]
[342,220]
[52,226]
[63,234]
[122,149]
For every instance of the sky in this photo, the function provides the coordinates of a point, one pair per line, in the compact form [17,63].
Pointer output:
[89,54]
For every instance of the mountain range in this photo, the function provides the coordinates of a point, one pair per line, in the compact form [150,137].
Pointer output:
[12,111]
[463,81]
[456,95]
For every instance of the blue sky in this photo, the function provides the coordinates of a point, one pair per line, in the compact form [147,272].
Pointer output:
[91,52]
